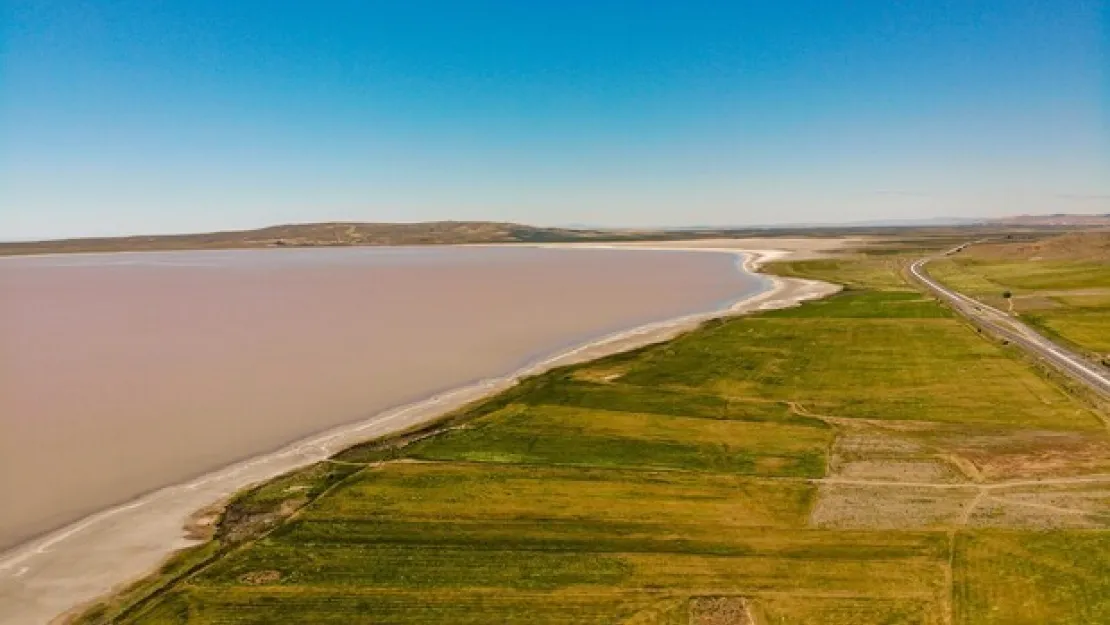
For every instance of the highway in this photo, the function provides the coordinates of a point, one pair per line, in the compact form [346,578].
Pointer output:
[997,322]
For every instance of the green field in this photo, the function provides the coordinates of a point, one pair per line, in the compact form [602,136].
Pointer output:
[585,437]
[1066,296]
[1018,578]
[856,272]
[817,465]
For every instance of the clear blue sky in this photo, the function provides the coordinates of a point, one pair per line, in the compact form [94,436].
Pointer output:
[161,116]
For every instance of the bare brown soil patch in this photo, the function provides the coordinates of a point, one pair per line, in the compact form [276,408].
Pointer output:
[1034,455]
[1082,503]
[241,524]
[899,471]
[719,611]
[1009,513]
[889,506]
[201,525]
[601,375]
[260,578]
[896,451]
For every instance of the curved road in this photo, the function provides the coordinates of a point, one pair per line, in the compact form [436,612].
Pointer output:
[997,322]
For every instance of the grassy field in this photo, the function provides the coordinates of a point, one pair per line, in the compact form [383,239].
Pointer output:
[837,463]
[1017,578]
[1060,285]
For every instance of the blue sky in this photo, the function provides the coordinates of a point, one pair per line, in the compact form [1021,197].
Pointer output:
[144,116]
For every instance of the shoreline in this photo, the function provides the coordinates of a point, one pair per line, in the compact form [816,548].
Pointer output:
[140,535]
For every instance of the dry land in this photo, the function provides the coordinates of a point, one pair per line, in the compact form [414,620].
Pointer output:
[1058,284]
[864,459]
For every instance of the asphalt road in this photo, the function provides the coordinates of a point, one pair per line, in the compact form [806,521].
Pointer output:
[1093,375]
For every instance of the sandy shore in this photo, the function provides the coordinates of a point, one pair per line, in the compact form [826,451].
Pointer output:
[70,567]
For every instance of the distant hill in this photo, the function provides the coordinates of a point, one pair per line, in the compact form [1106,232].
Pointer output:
[1059,219]
[1093,245]
[324,235]
[342,234]
[339,234]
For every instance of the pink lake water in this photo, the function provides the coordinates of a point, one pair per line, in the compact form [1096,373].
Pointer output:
[123,373]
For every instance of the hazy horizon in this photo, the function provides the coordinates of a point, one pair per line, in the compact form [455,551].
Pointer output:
[132,118]
[586,226]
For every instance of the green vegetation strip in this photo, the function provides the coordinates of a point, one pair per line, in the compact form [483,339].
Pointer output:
[669,485]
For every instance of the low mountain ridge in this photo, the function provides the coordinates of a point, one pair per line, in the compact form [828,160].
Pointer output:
[1091,245]
[334,234]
